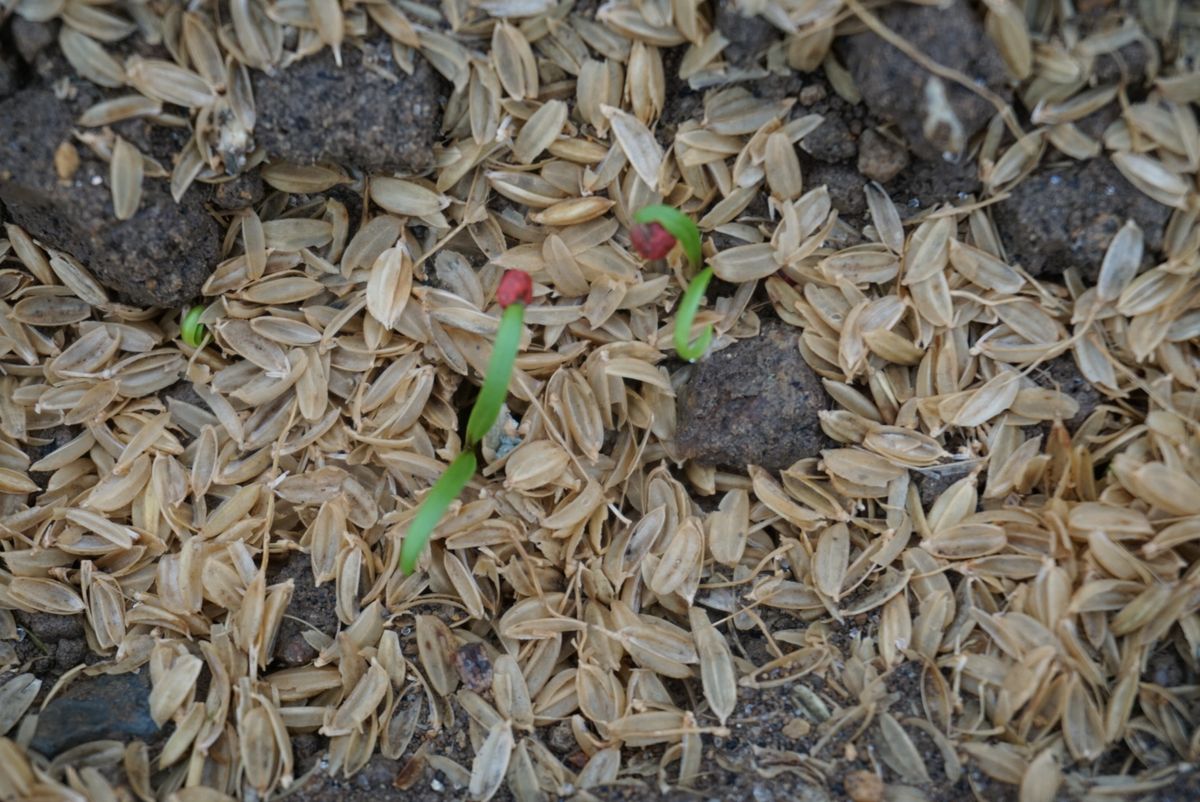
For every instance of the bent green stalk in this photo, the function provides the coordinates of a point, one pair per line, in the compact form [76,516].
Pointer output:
[678,225]
[434,506]
[495,383]
[681,227]
[689,305]
[191,330]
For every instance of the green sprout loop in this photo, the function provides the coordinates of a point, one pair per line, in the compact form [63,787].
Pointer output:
[495,383]
[191,330]
[444,491]
[689,305]
[681,227]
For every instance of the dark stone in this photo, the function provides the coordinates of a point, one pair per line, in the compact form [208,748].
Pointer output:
[879,158]
[106,707]
[311,606]
[1066,217]
[894,87]
[831,142]
[748,36]
[754,403]
[315,111]
[241,192]
[159,257]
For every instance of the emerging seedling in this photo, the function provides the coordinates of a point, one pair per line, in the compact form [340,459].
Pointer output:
[515,290]
[191,330]
[658,229]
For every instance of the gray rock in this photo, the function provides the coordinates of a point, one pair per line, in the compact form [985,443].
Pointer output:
[108,707]
[754,403]
[1067,216]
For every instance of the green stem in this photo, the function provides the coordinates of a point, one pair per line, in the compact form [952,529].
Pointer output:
[678,225]
[433,507]
[689,305]
[499,371]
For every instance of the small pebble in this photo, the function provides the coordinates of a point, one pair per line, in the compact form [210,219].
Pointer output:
[863,786]
[797,728]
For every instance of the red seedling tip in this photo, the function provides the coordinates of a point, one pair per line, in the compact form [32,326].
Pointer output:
[515,285]
[651,240]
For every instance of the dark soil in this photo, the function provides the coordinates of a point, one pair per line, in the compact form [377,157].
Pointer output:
[315,111]
[241,192]
[844,183]
[895,88]
[754,403]
[47,441]
[10,71]
[926,184]
[52,645]
[831,142]
[1066,217]
[29,38]
[159,257]
[311,607]
[1062,374]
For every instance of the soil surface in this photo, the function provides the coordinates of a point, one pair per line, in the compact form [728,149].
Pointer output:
[311,608]
[366,114]
[753,403]
[159,257]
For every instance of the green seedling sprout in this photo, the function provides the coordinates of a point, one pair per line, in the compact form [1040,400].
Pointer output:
[499,371]
[514,292]
[658,228]
[191,330]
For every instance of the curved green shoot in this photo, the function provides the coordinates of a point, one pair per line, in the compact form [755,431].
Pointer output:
[191,330]
[689,305]
[434,506]
[678,225]
[495,383]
